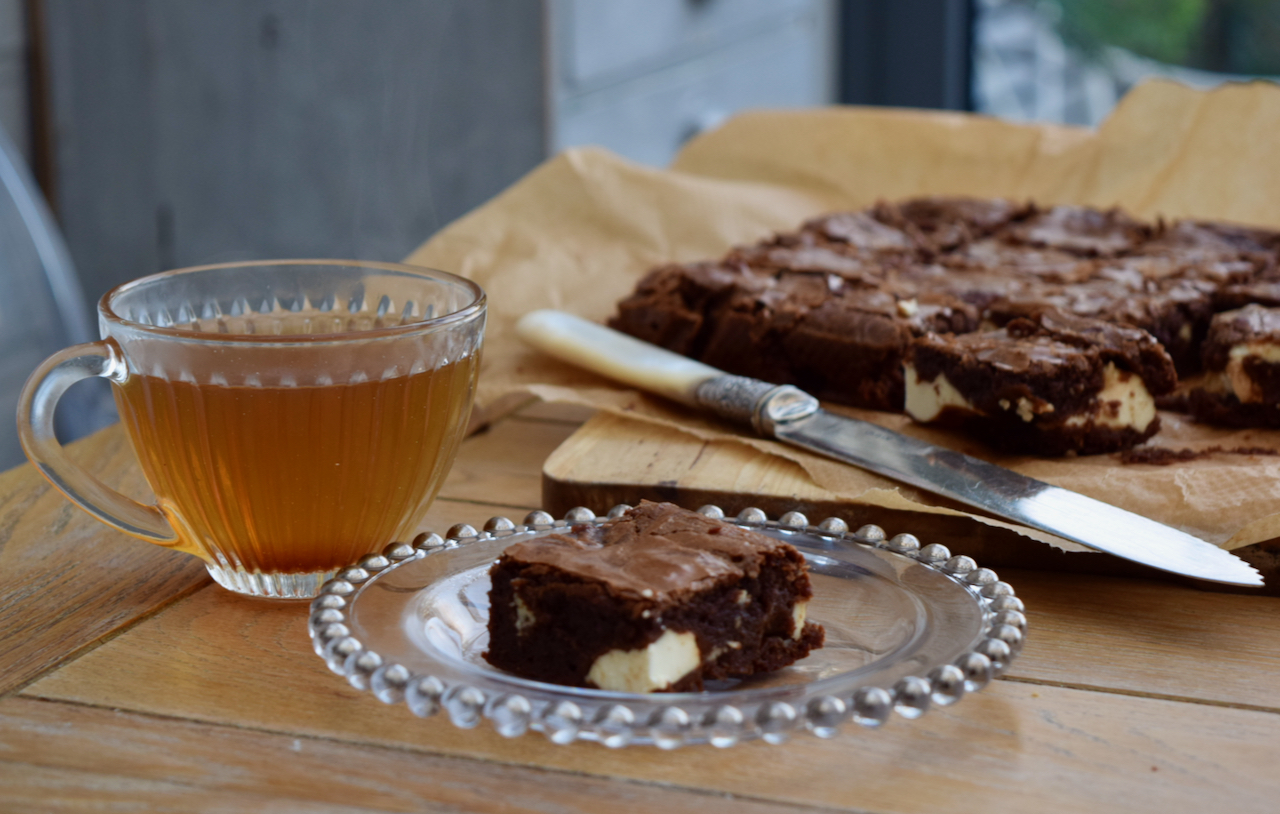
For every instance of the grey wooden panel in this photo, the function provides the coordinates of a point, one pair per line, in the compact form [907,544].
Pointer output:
[30,327]
[40,308]
[210,130]
[13,74]
[105,140]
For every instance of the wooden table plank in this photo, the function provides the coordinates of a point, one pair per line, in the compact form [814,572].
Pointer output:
[68,579]
[1130,696]
[63,757]
[1150,638]
[502,464]
[227,660]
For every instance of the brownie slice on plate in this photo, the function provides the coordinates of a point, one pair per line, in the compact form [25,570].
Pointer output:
[661,599]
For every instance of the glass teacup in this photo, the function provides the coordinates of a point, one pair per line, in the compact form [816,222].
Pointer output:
[290,416]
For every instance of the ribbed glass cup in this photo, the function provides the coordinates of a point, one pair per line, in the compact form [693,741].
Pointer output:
[290,416]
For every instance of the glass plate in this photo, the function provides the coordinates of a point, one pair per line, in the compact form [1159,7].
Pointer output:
[907,627]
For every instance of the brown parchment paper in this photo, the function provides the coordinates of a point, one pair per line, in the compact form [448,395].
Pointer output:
[578,231]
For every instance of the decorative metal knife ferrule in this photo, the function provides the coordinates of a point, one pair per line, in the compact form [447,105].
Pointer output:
[753,403]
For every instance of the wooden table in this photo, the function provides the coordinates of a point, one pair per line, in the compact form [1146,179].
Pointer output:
[128,681]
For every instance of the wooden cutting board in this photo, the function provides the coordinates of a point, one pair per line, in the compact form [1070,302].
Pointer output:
[611,459]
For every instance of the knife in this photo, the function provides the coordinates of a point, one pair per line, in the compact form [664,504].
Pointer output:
[792,416]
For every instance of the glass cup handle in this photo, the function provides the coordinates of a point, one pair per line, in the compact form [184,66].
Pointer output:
[35,431]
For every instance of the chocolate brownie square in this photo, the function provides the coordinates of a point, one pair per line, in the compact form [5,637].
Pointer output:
[660,600]
[1241,386]
[831,334]
[1047,383]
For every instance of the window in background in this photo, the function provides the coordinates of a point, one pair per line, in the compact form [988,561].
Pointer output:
[1070,61]
[642,77]
[906,53]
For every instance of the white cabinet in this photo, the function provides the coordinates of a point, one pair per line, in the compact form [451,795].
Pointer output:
[641,77]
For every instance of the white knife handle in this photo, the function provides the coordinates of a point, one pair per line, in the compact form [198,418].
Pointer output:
[615,355]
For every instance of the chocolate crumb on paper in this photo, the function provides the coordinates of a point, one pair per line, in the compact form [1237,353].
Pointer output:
[1163,456]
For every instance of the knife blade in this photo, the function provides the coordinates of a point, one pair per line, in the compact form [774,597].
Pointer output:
[792,416]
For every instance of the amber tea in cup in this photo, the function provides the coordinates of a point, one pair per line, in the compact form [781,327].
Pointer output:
[290,416]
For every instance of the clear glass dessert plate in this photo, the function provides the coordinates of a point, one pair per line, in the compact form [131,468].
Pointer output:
[907,627]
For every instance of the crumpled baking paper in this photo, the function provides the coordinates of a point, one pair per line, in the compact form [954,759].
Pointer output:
[578,231]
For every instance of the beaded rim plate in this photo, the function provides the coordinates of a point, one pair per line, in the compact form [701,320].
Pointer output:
[908,627]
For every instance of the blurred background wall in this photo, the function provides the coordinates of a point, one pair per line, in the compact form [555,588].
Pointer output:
[166,133]
[173,132]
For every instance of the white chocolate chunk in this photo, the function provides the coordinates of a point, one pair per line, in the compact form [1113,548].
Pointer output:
[720,651]
[799,613]
[667,660]
[1236,380]
[1027,409]
[524,618]
[926,400]
[1124,401]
